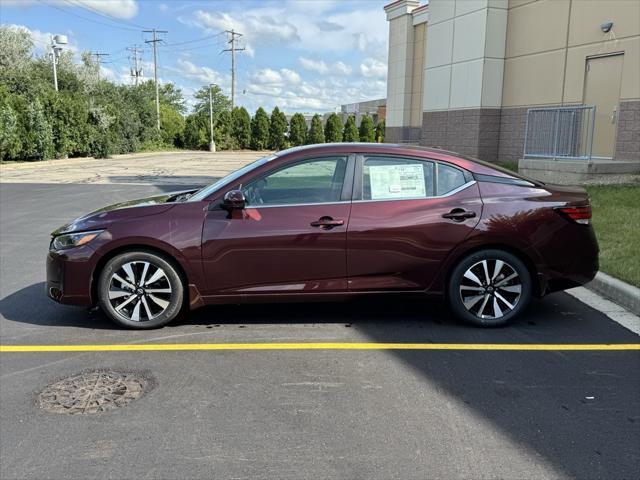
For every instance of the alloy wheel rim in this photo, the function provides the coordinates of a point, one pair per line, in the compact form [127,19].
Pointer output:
[139,291]
[490,289]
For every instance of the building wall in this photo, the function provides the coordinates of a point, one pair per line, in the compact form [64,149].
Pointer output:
[548,43]
[463,74]
[485,62]
[404,73]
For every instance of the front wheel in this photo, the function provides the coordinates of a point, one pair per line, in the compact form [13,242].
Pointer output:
[140,290]
[489,288]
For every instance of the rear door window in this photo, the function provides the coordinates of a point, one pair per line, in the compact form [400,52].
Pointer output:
[386,178]
[449,178]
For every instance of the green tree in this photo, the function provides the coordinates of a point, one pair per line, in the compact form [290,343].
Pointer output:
[260,130]
[9,139]
[380,131]
[171,125]
[367,132]
[222,128]
[219,100]
[196,131]
[350,130]
[316,133]
[241,128]
[298,130]
[277,130]
[333,129]
[40,138]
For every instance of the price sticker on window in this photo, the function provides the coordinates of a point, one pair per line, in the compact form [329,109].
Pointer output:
[397,181]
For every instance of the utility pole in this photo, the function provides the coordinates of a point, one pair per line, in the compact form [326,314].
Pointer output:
[212,144]
[99,60]
[155,66]
[233,51]
[135,71]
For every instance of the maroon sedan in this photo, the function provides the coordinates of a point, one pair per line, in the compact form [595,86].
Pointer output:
[329,222]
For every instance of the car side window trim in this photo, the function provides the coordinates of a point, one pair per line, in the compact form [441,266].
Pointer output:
[359,173]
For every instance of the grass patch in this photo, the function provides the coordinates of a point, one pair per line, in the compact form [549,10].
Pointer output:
[616,220]
[513,166]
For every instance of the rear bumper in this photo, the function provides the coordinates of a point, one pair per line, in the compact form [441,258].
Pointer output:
[69,276]
[575,261]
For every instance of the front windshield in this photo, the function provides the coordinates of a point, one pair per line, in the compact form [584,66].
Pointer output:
[204,192]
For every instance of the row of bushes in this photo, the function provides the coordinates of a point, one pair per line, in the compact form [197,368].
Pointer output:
[93,117]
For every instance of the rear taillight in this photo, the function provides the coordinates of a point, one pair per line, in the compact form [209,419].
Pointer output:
[577,214]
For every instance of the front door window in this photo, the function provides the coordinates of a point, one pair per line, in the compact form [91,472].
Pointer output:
[308,182]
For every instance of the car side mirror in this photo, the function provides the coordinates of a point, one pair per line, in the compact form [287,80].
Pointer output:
[234,200]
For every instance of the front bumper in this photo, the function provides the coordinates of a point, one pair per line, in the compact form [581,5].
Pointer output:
[69,276]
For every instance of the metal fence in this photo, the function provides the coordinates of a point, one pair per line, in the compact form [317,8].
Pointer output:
[559,132]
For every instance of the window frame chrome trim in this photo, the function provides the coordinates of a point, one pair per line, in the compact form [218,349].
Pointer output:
[280,205]
[448,194]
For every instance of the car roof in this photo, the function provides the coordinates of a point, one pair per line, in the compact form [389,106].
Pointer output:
[463,161]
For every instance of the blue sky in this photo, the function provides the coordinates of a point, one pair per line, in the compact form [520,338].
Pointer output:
[302,55]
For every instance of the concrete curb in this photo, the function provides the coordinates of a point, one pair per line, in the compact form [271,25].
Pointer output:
[617,291]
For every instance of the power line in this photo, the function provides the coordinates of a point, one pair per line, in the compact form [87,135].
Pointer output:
[155,41]
[195,40]
[97,12]
[233,51]
[69,12]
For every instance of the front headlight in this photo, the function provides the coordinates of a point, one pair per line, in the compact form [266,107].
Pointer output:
[70,240]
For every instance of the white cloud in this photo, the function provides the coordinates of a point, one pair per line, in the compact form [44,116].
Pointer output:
[318,66]
[307,26]
[195,72]
[323,68]
[373,68]
[163,7]
[42,40]
[275,79]
[341,68]
[252,25]
[113,8]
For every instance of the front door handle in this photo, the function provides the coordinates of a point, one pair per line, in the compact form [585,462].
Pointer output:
[459,214]
[327,223]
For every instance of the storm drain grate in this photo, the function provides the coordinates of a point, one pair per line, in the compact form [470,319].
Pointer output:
[92,392]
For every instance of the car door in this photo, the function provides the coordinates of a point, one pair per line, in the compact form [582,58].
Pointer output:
[407,215]
[290,238]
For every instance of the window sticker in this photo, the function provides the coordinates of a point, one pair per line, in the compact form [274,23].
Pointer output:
[397,181]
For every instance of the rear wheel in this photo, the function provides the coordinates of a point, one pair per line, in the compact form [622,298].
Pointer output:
[489,288]
[140,290]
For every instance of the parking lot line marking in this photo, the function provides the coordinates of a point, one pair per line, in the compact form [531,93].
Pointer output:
[322,346]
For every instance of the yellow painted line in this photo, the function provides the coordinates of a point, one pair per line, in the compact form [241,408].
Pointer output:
[321,346]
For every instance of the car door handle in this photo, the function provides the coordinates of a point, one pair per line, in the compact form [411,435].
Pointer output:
[327,223]
[459,214]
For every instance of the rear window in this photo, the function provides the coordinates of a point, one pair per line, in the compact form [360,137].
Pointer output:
[500,169]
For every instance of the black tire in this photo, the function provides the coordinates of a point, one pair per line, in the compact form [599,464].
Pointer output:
[163,307]
[461,289]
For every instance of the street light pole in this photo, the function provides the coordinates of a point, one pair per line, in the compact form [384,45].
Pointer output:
[55,41]
[212,144]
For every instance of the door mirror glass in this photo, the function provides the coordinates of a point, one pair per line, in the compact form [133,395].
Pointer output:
[233,200]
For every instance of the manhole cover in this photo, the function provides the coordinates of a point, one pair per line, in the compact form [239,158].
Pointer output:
[92,392]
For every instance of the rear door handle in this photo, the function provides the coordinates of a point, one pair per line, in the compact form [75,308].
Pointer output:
[327,223]
[459,214]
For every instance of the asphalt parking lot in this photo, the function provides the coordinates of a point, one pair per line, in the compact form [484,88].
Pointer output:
[242,412]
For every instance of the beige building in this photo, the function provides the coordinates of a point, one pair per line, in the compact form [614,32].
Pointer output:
[463,74]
